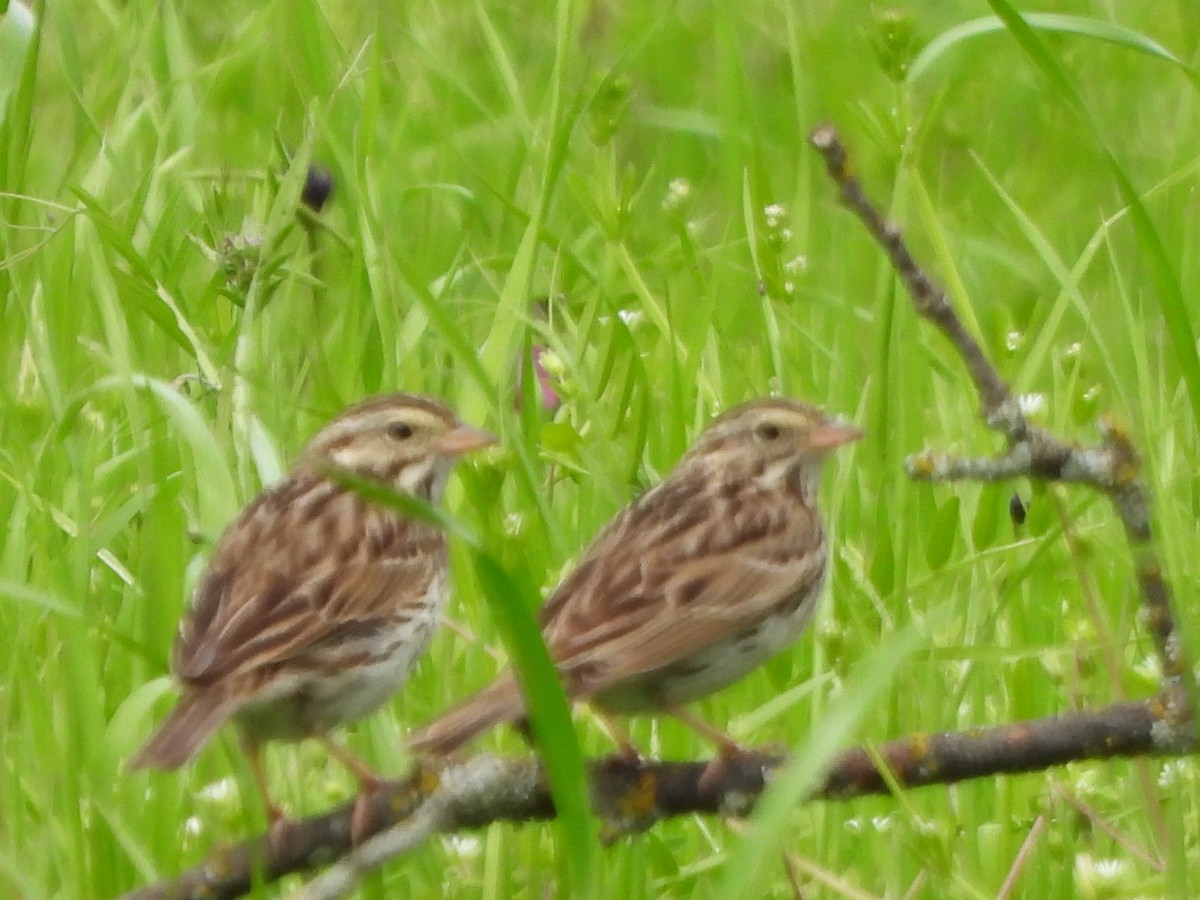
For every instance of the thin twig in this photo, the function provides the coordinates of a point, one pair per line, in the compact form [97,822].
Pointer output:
[1097,821]
[1018,867]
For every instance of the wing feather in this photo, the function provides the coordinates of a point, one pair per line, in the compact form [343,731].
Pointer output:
[280,587]
[676,572]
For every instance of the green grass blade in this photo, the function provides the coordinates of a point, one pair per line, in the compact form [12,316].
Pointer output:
[1167,288]
[1079,26]
[751,863]
[549,714]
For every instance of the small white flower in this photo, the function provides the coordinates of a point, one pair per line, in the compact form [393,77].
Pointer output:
[789,287]
[218,791]
[1149,668]
[1109,869]
[1074,349]
[1091,393]
[1096,877]
[1086,784]
[797,265]
[462,844]
[679,191]
[1013,340]
[631,317]
[775,214]
[193,825]
[1172,773]
[1032,404]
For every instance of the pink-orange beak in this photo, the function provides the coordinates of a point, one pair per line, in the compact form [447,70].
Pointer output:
[832,433]
[463,439]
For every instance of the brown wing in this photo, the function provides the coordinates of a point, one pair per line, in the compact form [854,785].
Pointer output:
[307,564]
[677,571]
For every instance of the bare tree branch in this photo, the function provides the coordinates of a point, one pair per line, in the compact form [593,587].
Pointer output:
[630,796]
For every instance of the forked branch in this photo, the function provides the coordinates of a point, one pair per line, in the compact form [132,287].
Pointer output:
[1111,467]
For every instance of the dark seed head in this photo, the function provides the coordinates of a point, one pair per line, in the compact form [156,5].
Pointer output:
[318,186]
[1016,509]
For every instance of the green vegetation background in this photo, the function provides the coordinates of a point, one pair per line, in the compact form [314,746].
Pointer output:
[174,330]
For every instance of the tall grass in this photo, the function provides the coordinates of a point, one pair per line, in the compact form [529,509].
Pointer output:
[175,327]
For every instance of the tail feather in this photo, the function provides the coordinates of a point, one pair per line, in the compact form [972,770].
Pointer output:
[499,702]
[187,728]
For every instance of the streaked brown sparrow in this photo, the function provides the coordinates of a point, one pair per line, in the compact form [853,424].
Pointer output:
[316,603]
[691,586]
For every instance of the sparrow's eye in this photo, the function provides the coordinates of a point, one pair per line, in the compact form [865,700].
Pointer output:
[768,431]
[400,431]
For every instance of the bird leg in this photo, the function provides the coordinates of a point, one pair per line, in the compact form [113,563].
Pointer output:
[727,748]
[369,781]
[277,820]
[626,750]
